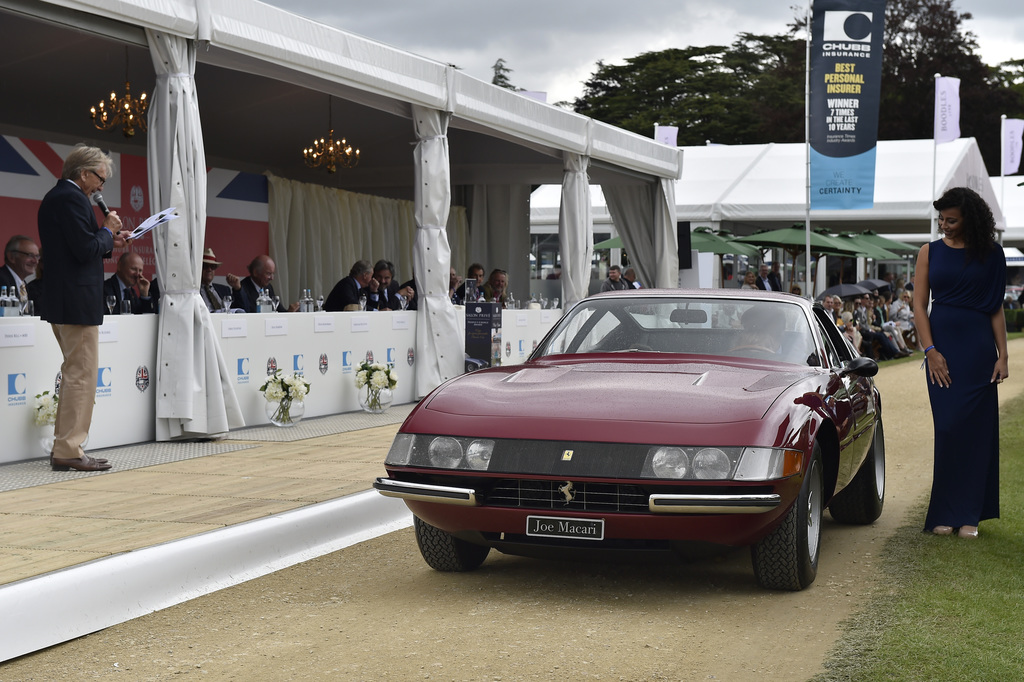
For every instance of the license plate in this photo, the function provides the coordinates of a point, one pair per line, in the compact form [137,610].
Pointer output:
[564,527]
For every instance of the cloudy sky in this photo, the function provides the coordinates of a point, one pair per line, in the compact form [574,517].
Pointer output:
[553,45]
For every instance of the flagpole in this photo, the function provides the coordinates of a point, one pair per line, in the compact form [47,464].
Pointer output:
[935,152]
[1002,163]
[808,291]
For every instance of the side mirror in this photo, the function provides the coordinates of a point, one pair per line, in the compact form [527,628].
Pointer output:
[861,366]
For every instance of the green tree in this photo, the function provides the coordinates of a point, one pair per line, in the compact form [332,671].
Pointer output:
[926,37]
[730,95]
[753,90]
[501,73]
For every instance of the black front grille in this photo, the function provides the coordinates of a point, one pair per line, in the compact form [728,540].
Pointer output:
[591,497]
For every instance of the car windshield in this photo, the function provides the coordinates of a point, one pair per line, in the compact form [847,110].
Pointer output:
[760,330]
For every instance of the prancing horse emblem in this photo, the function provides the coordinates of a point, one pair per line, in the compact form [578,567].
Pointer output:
[567,491]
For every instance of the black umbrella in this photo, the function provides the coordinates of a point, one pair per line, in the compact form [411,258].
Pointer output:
[844,291]
[872,284]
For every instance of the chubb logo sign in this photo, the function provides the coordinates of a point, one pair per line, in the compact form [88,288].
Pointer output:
[346,362]
[242,372]
[847,34]
[16,389]
[298,364]
[104,382]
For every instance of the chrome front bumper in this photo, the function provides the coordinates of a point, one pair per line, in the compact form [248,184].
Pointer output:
[657,504]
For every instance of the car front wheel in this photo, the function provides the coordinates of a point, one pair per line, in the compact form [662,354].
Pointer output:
[787,559]
[444,552]
[861,501]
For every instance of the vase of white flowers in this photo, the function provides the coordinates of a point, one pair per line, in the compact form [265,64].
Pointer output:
[284,396]
[379,380]
[44,415]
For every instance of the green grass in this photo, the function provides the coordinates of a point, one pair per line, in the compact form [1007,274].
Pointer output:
[946,608]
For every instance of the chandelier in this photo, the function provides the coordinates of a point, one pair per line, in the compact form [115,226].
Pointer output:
[330,152]
[128,111]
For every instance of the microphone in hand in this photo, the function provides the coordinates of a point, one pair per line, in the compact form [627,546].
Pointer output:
[98,198]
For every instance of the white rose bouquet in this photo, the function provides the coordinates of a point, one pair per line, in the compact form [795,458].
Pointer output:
[46,408]
[376,377]
[284,390]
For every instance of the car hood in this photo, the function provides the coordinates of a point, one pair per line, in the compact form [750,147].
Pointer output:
[699,393]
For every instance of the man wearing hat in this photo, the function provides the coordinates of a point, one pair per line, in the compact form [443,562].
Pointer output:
[213,294]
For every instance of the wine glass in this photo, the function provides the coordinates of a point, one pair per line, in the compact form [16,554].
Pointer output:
[111,302]
[362,301]
[554,303]
[320,302]
[226,300]
[277,302]
[403,302]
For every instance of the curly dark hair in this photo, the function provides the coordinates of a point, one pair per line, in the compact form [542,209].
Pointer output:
[979,226]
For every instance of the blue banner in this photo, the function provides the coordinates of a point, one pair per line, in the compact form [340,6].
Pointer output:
[846,75]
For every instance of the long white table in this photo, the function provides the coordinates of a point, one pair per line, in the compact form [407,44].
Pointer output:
[326,347]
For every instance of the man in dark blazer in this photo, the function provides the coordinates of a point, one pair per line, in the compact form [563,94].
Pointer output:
[75,246]
[763,281]
[212,293]
[775,277]
[388,290]
[345,294]
[123,283]
[261,275]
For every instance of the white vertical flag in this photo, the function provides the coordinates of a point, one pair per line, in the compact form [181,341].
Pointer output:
[666,134]
[1014,132]
[947,109]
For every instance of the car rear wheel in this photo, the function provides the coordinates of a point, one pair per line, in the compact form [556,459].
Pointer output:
[788,558]
[444,552]
[861,501]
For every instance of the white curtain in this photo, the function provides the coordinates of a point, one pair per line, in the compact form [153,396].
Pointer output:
[645,217]
[194,394]
[440,342]
[317,233]
[500,233]
[575,229]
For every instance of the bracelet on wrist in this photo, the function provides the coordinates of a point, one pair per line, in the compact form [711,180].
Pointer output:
[932,347]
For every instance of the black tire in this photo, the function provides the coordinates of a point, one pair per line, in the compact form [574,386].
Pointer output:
[444,552]
[861,501]
[788,558]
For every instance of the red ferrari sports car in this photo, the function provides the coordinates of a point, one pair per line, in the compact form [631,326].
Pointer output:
[651,421]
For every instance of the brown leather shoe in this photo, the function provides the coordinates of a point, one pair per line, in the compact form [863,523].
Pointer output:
[86,463]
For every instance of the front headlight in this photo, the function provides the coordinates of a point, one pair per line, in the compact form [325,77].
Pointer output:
[441,452]
[720,464]
[445,452]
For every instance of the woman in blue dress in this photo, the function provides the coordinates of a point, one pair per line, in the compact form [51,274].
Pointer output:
[963,278]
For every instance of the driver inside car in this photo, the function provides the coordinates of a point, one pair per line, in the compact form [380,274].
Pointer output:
[763,332]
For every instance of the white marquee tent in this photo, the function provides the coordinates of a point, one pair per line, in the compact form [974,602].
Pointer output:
[243,85]
[747,187]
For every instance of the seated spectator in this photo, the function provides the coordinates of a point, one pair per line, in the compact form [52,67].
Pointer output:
[615,281]
[881,304]
[128,283]
[388,294]
[261,276]
[901,313]
[454,280]
[20,258]
[475,273]
[212,293]
[863,317]
[850,329]
[346,293]
[749,280]
[496,289]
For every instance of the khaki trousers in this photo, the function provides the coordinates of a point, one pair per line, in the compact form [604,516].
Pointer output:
[80,345]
